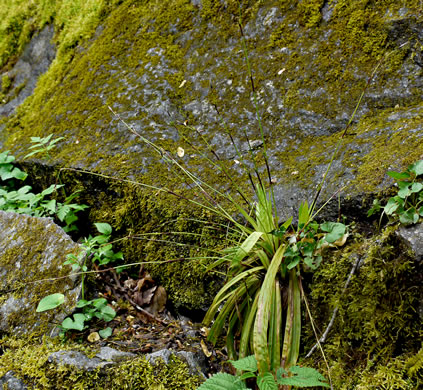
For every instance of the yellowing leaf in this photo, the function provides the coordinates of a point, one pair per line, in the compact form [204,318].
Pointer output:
[93,337]
[180,152]
[205,349]
[342,240]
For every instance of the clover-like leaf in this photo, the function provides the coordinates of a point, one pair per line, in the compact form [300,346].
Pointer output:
[77,323]
[416,187]
[105,333]
[404,189]
[391,206]
[409,217]
[417,168]
[335,230]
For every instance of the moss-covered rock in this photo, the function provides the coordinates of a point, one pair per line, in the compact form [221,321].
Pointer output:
[19,82]
[32,253]
[375,341]
[310,61]
[168,68]
[29,361]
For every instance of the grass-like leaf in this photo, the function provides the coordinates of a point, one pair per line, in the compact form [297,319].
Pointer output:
[264,312]
[291,343]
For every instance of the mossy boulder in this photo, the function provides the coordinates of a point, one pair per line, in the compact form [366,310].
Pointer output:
[32,253]
[162,64]
[19,82]
[375,340]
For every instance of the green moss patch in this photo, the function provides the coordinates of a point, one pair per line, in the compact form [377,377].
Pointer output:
[28,359]
[376,338]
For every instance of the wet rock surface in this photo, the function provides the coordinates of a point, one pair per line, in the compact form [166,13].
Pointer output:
[413,237]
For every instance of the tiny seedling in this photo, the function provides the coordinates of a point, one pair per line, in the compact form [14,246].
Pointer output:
[43,145]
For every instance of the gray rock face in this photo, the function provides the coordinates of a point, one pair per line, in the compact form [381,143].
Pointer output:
[196,361]
[413,237]
[34,61]
[310,63]
[180,71]
[10,382]
[113,355]
[77,359]
[108,356]
[32,253]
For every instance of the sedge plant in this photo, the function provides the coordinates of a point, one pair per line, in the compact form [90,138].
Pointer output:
[259,307]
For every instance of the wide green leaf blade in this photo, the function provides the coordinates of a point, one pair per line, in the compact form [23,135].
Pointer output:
[264,212]
[275,328]
[303,214]
[263,313]
[264,259]
[50,302]
[291,342]
[247,246]
[224,292]
[398,175]
[233,298]
[247,327]
[104,228]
